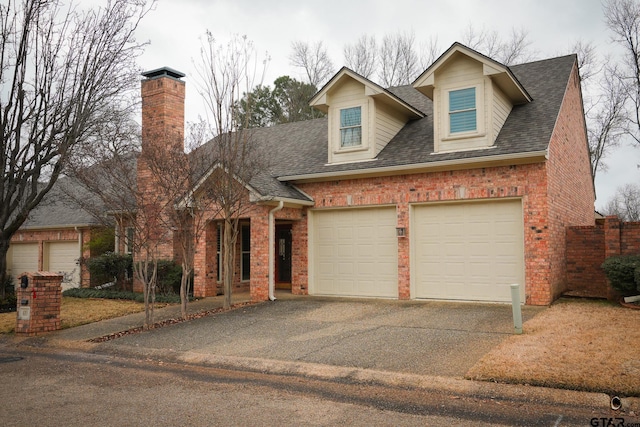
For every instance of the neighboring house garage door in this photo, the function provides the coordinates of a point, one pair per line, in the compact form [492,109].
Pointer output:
[24,259]
[62,257]
[355,252]
[468,251]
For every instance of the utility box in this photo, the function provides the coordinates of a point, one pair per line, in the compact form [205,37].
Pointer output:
[39,299]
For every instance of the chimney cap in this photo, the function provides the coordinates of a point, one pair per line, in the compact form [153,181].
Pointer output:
[163,72]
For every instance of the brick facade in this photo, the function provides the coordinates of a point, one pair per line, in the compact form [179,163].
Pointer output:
[588,247]
[570,192]
[556,192]
[42,237]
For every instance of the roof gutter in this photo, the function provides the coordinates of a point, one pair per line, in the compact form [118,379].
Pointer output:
[522,158]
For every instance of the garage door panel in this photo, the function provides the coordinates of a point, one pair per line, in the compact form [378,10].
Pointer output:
[62,257]
[24,258]
[478,246]
[361,257]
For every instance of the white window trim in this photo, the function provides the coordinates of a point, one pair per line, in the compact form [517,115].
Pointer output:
[128,240]
[364,126]
[480,113]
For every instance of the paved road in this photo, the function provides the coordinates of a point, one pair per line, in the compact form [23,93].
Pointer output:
[54,387]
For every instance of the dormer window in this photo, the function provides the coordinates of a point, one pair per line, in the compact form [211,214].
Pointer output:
[462,110]
[350,127]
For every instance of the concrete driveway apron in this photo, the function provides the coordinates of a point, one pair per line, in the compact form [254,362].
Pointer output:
[418,337]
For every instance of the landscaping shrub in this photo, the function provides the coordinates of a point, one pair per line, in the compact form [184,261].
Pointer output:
[109,294]
[8,303]
[623,273]
[169,277]
[104,268]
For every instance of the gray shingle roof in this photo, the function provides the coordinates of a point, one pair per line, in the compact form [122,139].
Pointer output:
[300,148]
[58,210]
[297,149]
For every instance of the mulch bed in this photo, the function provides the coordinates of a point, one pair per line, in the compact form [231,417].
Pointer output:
[168,322]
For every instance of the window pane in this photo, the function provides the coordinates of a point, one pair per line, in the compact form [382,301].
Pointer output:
[350,117]
[246,266]
[463,121]
[351,137]
[464,99]
[246,238]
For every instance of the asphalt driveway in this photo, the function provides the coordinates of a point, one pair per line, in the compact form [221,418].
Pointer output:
[427,338]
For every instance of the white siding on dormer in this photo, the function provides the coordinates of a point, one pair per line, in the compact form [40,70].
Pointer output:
[346,92]
[388,125]
[462,72]
[501,109]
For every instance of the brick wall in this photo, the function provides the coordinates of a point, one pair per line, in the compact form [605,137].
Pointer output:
[526,182]
[571,194]
[588,247]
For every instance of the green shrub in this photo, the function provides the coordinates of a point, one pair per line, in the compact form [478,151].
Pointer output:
[104,268]
[109,294]
[623,272]
[169,277]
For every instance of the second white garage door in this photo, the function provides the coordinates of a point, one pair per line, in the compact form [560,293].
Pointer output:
[62,257]
[467,251]
[355,252]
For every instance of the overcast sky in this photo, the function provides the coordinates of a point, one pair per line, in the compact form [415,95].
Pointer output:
[175,28]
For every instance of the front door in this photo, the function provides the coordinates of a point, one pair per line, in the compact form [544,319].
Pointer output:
[283,256]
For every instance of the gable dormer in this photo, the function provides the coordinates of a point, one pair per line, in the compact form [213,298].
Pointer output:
[472,97]
[362,116]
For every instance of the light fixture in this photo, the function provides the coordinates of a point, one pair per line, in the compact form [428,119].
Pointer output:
[400,231]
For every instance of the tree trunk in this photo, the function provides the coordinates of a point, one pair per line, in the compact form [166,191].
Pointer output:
[230,233]
[4,249]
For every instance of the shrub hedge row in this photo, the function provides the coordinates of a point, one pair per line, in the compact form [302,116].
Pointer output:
[109,294]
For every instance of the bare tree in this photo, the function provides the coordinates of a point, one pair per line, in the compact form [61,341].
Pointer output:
[625,204]
[314,60]
[63,71]
[107,188]
[623,19]
[606,119]
[429,52]
[362,56]
[398,59]
[176,175]
[225,74]
[511,50]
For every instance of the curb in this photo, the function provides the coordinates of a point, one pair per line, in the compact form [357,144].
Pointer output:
[454,386]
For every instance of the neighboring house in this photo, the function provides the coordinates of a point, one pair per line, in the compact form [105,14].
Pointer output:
[54,238]
[451,188]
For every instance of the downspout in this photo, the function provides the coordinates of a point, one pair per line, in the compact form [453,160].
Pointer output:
[79,263]
[272,250]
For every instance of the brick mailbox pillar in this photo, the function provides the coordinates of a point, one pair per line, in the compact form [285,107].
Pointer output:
[39,300]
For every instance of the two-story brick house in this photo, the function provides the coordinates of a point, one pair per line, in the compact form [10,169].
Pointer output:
[453,187]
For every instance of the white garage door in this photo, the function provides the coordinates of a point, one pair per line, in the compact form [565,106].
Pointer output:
[355,252]
[468,251]
[24,258]
[62,257]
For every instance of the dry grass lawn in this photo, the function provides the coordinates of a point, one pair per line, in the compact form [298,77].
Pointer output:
[79,311]
[575,344]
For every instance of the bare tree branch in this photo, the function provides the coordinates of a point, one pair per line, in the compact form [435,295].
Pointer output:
[314,60]
[64,73]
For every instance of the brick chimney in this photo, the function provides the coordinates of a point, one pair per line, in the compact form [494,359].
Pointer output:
[163,95]
[163,108]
